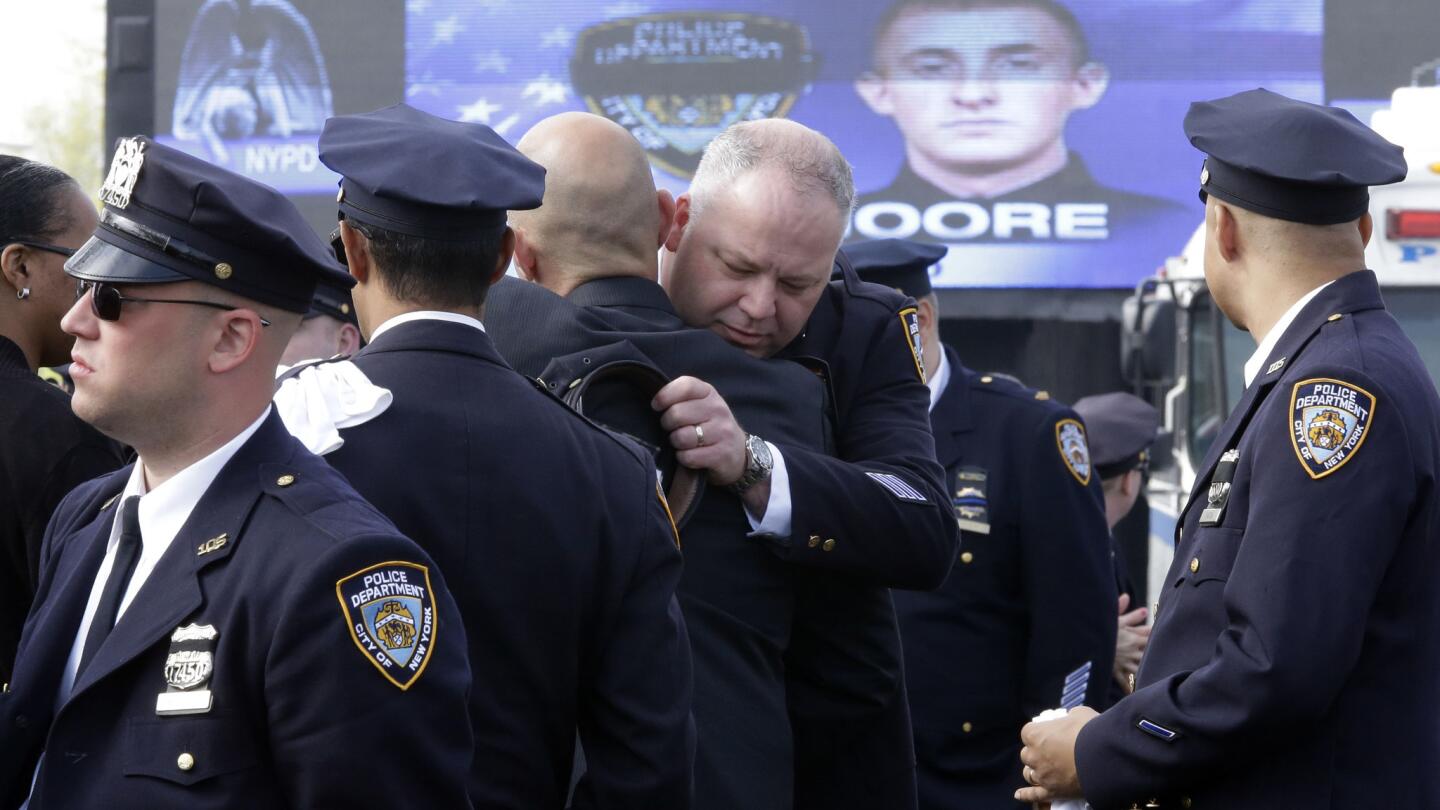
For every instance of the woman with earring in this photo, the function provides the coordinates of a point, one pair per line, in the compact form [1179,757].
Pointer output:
[45,450]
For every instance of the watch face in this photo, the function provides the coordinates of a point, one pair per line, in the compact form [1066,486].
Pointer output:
[761,451]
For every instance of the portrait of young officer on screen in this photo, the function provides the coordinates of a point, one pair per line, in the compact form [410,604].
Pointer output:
[981,91]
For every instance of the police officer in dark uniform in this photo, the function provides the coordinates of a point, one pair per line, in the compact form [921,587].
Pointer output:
[1121,427]
[555,527]
[1026,620]
[225,623]
[45,451]
[330,327]
[1298,634]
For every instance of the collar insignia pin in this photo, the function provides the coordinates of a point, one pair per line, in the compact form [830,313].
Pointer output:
[212,544]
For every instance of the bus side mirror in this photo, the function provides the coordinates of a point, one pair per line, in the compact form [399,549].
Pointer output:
[1147,337]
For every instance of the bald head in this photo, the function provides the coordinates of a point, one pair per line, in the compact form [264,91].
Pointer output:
[1257,266]
[601,216]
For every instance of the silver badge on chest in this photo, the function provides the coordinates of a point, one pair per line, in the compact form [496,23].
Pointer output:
[188,668]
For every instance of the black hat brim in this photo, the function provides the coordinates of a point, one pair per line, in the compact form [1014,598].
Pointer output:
[98,260]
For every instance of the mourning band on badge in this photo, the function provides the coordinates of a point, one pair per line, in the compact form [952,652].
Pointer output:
[188,669]
[1329,420]
[390,611]
[1217,495]
[1074,448]
[972,506]
[910,323]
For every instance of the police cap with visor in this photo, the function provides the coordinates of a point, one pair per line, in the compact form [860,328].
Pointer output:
[169,216]
[1121,428]
[898,263]
[1290,160]
[333,300]
[417,174]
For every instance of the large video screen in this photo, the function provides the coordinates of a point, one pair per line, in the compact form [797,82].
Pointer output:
[1041,140]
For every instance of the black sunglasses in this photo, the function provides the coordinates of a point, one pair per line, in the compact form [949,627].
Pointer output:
[106,301]
[66,252]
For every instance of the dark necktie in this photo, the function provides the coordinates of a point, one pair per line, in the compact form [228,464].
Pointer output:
[127,553]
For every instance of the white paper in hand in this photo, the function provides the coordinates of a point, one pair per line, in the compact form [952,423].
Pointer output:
[1064,804]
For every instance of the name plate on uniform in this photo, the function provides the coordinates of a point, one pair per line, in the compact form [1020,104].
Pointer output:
[972,506]
[169,703]
[1219,494]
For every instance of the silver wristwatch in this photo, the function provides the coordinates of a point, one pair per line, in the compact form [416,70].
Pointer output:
[758,464]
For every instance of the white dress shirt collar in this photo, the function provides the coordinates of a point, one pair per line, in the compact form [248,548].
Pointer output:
[938,380]
[425,315]
[1267,345]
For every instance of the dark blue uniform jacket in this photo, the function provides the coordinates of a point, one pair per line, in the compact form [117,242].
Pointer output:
[301,717]
[1026,621]
[738,596]
[848,644]
[563,560]
[851,716]
[1295,651]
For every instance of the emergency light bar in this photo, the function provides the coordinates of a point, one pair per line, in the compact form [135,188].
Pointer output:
[1412,224]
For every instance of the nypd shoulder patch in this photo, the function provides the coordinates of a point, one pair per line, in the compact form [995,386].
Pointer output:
[1074,449]
[1328,422]
[910,323]
[390,610]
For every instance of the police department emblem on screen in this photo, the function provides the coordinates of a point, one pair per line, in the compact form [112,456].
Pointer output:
[1329,420]
[678,80]
[391,614]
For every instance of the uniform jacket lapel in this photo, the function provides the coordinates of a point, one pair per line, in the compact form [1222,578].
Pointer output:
[51,630]
[1353,293]
[173,591]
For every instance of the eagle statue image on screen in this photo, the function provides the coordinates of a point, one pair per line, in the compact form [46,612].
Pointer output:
[250,69]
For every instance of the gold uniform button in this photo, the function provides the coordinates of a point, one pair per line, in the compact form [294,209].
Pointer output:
[814,540]
[966,727]
[223,271]
[987,379]
[1042,395]
[285,480]
[185,762]
[966,557]
[1194,564]
[1333,318]
[828,545]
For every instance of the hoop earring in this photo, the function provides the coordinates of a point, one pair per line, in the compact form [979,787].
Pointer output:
[22,293]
